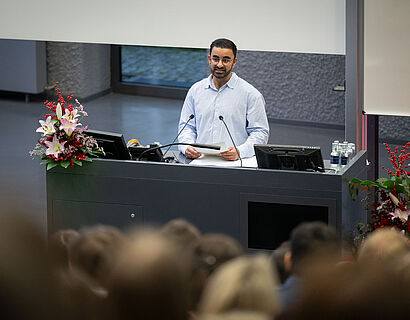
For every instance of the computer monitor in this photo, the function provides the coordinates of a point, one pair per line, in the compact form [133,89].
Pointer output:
[113,144]
[282,157]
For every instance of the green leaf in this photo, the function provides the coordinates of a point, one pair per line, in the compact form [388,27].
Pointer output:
[65,164]
[51,165]
[353,190]
[381,180]
[365,182]
[389,185]
[78,162]
[88,159]
[46,161]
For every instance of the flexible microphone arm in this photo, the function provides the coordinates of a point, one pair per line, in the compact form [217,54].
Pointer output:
[186,123]
[198,145]
[236,149]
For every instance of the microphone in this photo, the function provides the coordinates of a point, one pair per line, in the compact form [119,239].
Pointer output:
[186,123]
[233,142]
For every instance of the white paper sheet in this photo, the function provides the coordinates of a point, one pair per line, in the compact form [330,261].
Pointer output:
[212,160]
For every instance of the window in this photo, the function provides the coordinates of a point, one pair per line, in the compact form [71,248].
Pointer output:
[167,67]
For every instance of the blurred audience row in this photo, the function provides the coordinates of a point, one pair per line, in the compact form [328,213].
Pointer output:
[175,273]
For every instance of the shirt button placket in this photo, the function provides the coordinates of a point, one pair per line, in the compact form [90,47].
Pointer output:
[216,115]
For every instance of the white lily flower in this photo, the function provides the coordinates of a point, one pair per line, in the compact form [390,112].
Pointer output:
[54,147]
[47,127]
[394,199]
[59,111]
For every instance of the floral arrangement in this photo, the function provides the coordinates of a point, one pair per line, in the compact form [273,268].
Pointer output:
[391,207]
[63,141]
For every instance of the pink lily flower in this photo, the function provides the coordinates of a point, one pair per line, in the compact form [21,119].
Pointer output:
[70,115]
[402,215]
[69,125]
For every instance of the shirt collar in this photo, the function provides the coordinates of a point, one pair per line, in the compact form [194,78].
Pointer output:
[230,84]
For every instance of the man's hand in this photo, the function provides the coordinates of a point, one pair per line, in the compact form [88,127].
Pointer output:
[231,154]
[191,153]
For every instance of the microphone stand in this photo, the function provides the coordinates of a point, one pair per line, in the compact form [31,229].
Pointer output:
[186,123]
[236,149]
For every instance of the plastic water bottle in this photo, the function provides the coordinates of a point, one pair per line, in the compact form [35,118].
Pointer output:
[335,156]
[351,148]
[344,154]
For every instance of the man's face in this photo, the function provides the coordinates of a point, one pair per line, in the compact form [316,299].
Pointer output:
[221,62]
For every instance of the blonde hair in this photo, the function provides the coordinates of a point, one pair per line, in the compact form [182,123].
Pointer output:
[383,245]
[244,283]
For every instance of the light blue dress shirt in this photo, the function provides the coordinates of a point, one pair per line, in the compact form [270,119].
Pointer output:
[242,107]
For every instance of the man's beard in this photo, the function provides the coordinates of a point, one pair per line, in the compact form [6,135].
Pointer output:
[222,74]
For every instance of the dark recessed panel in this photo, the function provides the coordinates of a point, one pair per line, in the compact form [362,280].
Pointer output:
[269,224]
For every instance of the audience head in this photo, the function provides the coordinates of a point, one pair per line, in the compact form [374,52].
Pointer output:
[356,291]
[244,283]
[280,259]
[312,240]
[185,234]
[59,244]
[211,251]
[236,315]
[215,249]
[383,245]
[94,252]
[402,266]
[149,280]
[28,289]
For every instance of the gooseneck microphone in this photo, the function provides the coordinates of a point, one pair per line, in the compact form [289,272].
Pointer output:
[186,123]
[233,142]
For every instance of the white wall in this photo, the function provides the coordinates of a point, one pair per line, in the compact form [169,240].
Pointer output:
[387,57]
[312,26]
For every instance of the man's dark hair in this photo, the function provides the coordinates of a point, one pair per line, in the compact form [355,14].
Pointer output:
[225,44]
[311,238]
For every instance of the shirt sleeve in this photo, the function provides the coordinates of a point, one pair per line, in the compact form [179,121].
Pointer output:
[258,126]
[189,134]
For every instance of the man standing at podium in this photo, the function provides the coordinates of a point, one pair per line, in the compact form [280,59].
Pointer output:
[223,96]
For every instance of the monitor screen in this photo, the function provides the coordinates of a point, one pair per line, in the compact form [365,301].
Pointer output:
[113,144]
[281,157]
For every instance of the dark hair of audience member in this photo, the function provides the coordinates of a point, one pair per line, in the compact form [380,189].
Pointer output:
[278,260]
[356,291]
[236,315]
[28,287]
[212,250]
[149,280]
[310,240]
[59,244]
[246,283]
[93,254]
[184,233]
